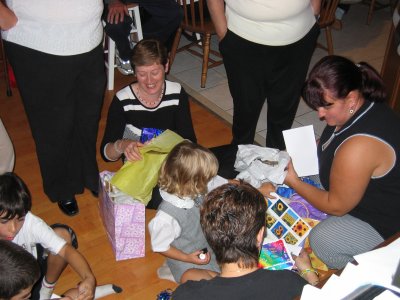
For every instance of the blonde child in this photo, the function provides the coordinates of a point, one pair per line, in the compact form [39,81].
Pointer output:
[187,174]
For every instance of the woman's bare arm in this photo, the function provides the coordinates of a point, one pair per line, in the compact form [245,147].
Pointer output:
[217,12]
[352,169]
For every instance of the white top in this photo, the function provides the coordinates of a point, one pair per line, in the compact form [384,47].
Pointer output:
[36,231]
[163,228]
[270,22]
[60,27]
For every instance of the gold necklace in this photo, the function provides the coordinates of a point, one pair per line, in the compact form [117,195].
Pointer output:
[150,103]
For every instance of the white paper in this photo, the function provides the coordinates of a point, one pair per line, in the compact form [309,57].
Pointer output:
[302,148]
[375,267]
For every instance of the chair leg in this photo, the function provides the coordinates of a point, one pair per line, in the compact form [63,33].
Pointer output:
[174,47]
[370,11]
[329,43]
[206,53]
[5,67]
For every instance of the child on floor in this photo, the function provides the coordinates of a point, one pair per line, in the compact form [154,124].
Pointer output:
[187,174]
[53,247]
[19,271]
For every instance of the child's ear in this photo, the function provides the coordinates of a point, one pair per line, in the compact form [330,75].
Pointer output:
[260,236]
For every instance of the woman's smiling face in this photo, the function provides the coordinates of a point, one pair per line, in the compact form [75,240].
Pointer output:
[150,78]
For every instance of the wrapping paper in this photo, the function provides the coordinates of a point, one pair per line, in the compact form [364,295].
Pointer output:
[251,163]
[138,178]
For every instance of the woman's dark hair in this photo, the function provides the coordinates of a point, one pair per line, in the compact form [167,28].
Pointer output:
[18,269]
[15,198]
[231,218]
[149,51]
[340,76]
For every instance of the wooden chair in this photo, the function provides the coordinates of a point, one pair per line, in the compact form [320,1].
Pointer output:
[376,5]
[3,60]
[195,21]
[326,20]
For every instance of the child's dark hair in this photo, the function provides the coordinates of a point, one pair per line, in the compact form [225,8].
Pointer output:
[18,269]
[15,198]
[339,76]
[231,218]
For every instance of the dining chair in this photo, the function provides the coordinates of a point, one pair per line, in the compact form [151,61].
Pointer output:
[3,60]
[326,20]
[197,21]
[376,5]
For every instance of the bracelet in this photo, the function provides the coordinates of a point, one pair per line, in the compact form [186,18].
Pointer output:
[306,271]
[117,147]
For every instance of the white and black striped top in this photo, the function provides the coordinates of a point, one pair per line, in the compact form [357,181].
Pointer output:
[127,115]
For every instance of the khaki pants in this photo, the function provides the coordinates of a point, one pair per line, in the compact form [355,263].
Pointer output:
[7,156]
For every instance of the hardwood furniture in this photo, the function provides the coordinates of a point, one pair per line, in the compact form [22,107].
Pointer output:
[375,5]
[391,69]
[195,20]
[3,60]
[133,10]
[326,20]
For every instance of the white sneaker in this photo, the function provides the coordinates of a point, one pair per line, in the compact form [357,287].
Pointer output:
[124,66]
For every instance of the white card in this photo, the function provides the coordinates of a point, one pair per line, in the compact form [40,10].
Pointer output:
[302,148]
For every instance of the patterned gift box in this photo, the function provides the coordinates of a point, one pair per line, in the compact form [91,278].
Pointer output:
[124,223]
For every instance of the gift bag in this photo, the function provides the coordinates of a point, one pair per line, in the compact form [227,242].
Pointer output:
[138,178]
[124,223]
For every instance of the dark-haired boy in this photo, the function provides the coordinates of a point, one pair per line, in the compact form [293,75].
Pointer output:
[19,271]
[52,247]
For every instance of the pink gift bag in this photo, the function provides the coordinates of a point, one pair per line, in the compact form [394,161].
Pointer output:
[124,223]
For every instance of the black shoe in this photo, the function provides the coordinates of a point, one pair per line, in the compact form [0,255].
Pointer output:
[69,207]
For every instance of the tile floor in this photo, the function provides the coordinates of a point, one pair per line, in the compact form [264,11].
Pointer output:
[356,40]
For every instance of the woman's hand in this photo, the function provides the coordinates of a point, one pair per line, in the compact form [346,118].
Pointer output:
[266,189]
[291,176]
[116,12]
[302,261]
[304,267]
[131,150]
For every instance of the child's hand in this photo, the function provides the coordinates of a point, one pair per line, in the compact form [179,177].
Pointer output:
[266,188]
[195,259]
[86,289]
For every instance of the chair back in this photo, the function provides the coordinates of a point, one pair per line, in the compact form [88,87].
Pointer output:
[196,17]
[327,14]
[197,21]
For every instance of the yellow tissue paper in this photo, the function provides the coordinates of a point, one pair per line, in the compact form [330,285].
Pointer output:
[138,178]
